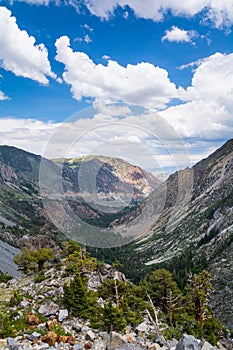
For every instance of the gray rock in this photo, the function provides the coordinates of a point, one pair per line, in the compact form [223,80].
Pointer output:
[12,344]
[98,345]
[13,281]
[161,340]
[207,346]
[115,340]
[77,327]
[142,327]
[34,336]
[24,303]
[90,335]
[49,308]
[62,315]
[79,346]
[171,344]
[188,342]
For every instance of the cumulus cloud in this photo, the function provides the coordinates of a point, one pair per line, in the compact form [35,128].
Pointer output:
[19,52]
[207,114]
[179,35]
[29,134]
[212,79]
[142,83]
[220,13]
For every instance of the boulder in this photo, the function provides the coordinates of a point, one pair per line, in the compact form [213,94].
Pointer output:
[62,339]
[129,338]
[171,344]
[142,328]
[32,320]
[51,323]
[188,342]
[12,344]
[206,346]
[33,336]
[90,335]
[114,341]
[71,339]
[77,327]
[62,315]
[99,345]
[50,338]
[49,308]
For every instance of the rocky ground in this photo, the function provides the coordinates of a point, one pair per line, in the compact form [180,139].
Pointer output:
[49,326]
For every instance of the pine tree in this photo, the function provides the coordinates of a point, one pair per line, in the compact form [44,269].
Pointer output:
[76,297]
[25,260]
[162,290]
[198,289]
[113,319]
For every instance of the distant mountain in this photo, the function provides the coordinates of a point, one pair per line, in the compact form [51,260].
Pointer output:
[24,176]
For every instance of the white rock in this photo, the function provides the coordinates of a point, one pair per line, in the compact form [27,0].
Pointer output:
[62,315]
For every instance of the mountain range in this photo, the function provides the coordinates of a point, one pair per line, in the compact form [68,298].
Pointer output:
[184,223]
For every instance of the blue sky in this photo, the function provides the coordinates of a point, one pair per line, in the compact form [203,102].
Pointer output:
[60,57]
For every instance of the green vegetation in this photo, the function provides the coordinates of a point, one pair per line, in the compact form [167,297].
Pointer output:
[123,302]
[28,259]
[4,277]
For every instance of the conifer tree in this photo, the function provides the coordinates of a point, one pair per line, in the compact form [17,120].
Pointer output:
[113,319]
[75,297]
[198,289]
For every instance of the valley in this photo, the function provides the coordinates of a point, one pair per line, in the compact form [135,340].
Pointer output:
[184,224]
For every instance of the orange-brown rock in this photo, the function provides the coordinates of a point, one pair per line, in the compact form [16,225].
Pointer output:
[51,323]
[50,338]
[130,338]
[32,320]
[35,341]
[62,339]
[71,339]
[88,346]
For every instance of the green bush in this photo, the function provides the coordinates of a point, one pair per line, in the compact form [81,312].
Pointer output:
[15,299]
[40,277]
[6,329]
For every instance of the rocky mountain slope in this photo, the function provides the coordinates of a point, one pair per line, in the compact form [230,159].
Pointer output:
[84,181]
[55,308]
[186,223]
[191,223]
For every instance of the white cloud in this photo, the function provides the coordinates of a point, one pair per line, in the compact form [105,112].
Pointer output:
[207,114]
[218,12]
[28,134]
[142,83]
[19,52]
[179,35]
[3,96]
[86,39]
[106,57]
[213,79]
[86,26]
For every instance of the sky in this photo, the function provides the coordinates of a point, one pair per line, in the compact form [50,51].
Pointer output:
[71,72]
